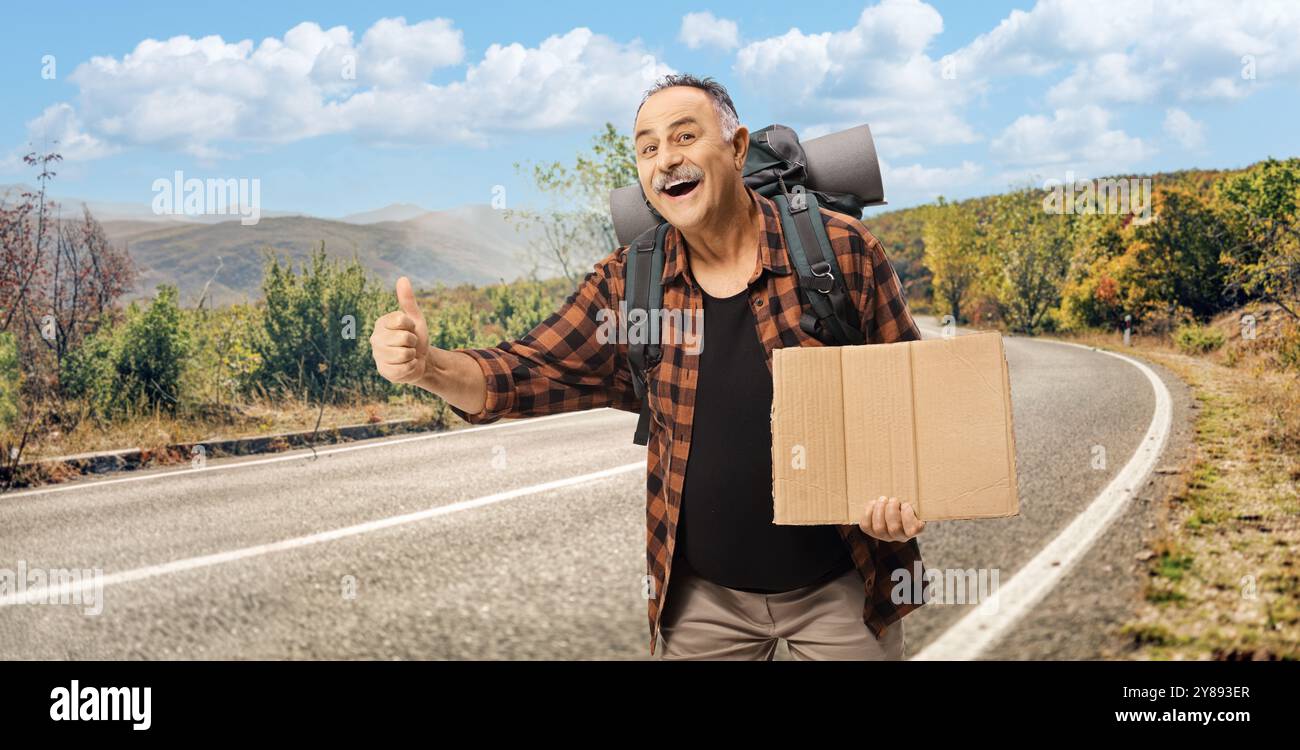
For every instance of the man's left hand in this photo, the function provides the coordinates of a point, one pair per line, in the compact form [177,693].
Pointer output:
[891,521]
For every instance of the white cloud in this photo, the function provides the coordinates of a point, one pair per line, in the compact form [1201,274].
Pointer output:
[876,72]
[1180,126]
[1111,76]
[1140,50]
[1137,53]
[1078,138]
[207,96]
[706,30]
[395,54]
[59,129]
[579,78]
[929,182]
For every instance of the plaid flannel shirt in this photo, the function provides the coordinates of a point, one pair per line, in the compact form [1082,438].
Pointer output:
[561,365]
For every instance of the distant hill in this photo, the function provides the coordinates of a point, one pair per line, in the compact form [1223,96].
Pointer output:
[395,212]
[117,211]
[473,244]
[469,244]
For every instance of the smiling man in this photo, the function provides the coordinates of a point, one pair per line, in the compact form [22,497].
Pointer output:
[740,583]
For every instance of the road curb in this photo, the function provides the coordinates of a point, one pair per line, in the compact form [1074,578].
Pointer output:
[60,468]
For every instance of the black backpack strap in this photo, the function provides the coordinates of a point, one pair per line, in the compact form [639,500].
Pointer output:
[833,319]
[643,291]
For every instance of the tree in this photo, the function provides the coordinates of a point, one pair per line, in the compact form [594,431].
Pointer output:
[1092,296]
[576,230]
[58,281]
[88,275]
[24,231]
[1029,252]
[1262,209]
[952,255]
[1173,265]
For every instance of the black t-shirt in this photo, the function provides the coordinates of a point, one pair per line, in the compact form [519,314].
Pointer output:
[725,532]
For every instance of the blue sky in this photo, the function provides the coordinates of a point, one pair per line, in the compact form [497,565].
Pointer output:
[965,98]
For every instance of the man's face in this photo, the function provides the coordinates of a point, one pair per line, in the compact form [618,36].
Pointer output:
[678,140]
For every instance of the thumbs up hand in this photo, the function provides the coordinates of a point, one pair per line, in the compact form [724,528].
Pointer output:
[400,342]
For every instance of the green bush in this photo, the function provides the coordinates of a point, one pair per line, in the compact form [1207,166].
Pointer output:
[520,306]
[315,338]
[154,349]
[10,381]
[455,325]
[133,364]
[89,372]
[224,360]
[1197,339]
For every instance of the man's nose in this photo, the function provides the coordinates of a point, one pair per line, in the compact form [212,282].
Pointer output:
[668,159]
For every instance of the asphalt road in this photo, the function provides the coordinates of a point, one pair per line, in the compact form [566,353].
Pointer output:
[245,559]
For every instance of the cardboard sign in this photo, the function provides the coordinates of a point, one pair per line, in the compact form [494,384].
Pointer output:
[927,422]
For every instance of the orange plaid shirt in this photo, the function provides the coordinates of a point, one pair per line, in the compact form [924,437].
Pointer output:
[562,365]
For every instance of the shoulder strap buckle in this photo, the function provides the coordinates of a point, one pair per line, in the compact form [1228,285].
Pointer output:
[824,280]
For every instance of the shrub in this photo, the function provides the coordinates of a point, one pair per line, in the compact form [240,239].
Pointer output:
[136,363]
[154,348]
[224,360]
[315,329]
[1197,339]
[9,380]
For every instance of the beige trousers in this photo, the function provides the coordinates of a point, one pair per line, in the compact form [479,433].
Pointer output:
[702,620]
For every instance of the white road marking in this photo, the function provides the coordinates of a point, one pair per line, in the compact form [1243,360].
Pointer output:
[992,618]
[298,454]
[66,591]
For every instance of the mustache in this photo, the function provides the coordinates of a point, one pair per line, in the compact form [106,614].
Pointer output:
[690,172]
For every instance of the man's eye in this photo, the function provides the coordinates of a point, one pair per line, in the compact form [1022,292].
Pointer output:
[646,149]
[687,135]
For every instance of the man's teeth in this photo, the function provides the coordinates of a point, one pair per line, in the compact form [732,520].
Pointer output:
[674,188]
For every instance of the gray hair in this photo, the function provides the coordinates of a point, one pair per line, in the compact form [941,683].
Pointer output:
[722,106]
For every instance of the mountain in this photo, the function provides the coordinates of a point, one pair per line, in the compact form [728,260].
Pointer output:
[395,212]
[469,244]
[71,207]
[473,244]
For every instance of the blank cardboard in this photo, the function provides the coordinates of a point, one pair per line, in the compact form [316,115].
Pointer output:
[928,422]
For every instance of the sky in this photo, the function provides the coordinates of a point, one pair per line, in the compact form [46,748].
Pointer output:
[344,107]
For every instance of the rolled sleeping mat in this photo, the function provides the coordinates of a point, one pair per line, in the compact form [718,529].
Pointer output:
[843,162]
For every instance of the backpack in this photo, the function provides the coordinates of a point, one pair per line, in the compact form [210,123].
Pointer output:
[775,168]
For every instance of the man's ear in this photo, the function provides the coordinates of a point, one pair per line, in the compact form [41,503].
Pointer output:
[740,147]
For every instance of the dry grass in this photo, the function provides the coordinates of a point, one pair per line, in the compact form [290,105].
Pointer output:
[1222,573]
[153,431]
